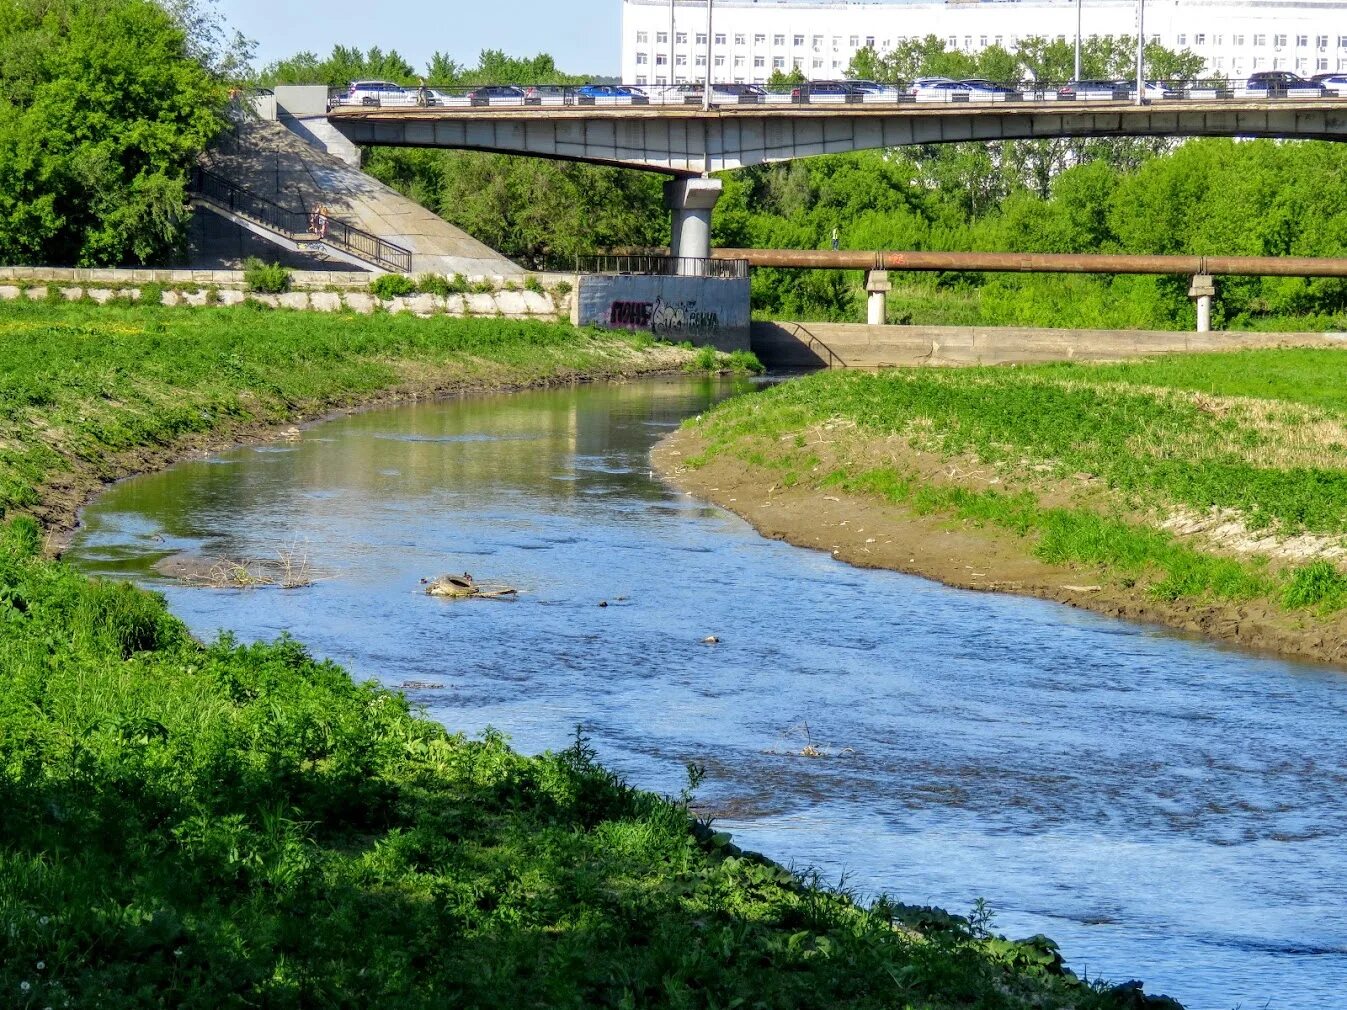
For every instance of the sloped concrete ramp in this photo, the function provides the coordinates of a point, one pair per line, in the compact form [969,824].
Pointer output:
[271,161]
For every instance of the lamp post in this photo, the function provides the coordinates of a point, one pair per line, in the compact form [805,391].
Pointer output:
[1141,52]
[1078,4]
[670,78]
[706,96]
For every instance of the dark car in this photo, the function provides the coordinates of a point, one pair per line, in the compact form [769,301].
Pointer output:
[1097,90]
[821,89]
[496,92]
[1273,82]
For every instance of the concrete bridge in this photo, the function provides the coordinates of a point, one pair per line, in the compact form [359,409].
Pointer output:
[688,143]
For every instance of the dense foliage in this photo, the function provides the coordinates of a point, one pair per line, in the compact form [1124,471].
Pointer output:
[103,109]
[1091,463]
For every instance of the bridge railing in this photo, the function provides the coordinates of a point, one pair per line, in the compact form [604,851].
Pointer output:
[929,91]
[298,225]
[663,266]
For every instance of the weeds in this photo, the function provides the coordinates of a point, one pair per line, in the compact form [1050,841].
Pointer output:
[265,278]
[386,287]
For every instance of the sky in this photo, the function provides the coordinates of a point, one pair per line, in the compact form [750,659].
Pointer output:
[583,35]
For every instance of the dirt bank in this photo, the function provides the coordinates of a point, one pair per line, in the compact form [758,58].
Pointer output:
[864,531]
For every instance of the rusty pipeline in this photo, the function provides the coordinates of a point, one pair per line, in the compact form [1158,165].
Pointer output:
[1038,263]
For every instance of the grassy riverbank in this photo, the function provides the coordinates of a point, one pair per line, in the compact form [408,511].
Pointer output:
[231,825]
[1209,489]
[89,394]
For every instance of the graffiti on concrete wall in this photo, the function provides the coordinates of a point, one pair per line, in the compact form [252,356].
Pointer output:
[663,318]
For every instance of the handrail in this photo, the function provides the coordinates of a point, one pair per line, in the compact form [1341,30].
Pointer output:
[299,226]
[663,266]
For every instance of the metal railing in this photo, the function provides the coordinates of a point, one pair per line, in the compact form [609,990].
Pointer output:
[817,93]
[299,226]
[663,266]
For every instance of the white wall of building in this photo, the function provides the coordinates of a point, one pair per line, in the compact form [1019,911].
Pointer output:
[754,37]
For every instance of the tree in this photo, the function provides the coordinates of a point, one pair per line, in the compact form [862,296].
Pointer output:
[105,111]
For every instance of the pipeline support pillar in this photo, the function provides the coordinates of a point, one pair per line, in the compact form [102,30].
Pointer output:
[692,201]
[877,286]
[1202,291]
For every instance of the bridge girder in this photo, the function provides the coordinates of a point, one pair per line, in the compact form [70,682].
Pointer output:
[692,142]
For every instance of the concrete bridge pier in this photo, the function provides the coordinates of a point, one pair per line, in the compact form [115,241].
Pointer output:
[692,201]
[877,286]
[1202,291]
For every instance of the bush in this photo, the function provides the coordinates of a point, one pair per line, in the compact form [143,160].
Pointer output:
[485,286]
[433,284]
[152,294]
[562,288]
[392,286]
[267,278]
[532,283]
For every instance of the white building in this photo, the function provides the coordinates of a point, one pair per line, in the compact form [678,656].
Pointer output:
[666,43]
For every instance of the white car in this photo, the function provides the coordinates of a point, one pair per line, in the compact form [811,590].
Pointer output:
[378,93]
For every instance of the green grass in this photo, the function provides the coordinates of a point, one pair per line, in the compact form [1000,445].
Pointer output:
[1152,438]
[81,384]
[217,826]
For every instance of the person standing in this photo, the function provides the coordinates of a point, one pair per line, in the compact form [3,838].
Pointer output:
[837,237]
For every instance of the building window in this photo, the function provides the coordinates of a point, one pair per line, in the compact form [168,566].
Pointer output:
[758,61]
[818,42]
[798,62]
[1199,40]
[778,41]
[701,60]
[738,62]
[1321,42]
[642,38]
[1237,40]
[740,39]
[720,61]
[641,79]
[1302,41]
[982,42]
[954,42]
[661,79]
[1219,40]
[661,60]
[798,41]
[1321,63]
[701,39]
[1342,41]
[870,41]
[1279,63]
[662,38]
[759,40]
[680,60]
[681,38]
[720,38]
[1183,40]
[1260,40]
[642,59]
[1279,41]
[818,64]
[854,42]
[778,63]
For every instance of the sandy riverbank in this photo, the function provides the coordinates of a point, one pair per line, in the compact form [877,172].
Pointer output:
[865,531]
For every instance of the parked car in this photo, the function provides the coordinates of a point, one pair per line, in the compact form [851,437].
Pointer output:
[1095,90]
[1333,82]
[612,92]
[1267,82]
[506,93]
[875,91]
[552,93]
[937,88]
[378,93]
[981,88]
[825,89]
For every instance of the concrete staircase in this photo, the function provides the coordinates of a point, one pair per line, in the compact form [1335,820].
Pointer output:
[285,168]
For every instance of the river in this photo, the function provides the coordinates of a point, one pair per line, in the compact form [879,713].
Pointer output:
[1166,809]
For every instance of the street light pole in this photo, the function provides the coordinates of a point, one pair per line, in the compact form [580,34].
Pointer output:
[670,78]
[1078,4]
[706,97]
[1141,52]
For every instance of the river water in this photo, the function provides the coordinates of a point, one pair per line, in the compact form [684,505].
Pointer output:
[1165,809]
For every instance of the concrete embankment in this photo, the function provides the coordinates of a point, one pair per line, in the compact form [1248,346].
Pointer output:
[789,345]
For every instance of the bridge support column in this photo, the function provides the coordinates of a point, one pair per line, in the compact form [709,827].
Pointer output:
[1203,290]
[692,201]
[878,287]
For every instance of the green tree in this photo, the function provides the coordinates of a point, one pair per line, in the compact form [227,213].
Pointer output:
[105,111]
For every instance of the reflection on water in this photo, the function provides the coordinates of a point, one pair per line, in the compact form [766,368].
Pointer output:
[1165,809]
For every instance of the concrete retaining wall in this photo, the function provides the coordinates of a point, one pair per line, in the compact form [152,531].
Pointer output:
[703,310]
[847,345]
[317,292]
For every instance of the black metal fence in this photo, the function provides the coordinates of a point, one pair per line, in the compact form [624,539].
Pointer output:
[299,225]
[663,266]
